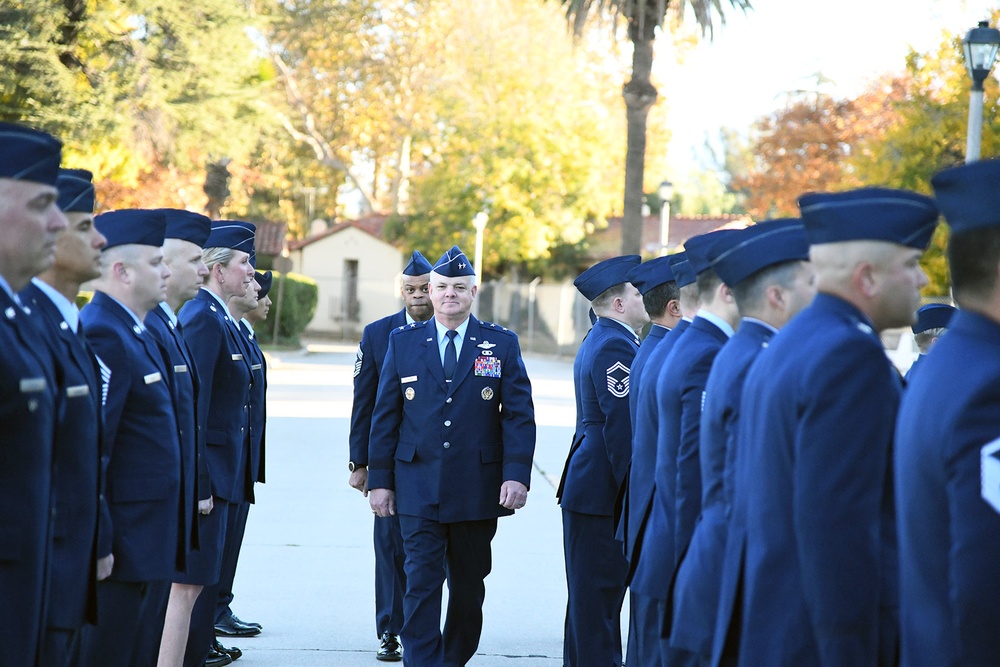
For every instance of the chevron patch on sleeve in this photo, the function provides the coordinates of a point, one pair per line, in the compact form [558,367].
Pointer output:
[357,361]
[618,380]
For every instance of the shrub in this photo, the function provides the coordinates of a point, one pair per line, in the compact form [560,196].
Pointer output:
[298,305]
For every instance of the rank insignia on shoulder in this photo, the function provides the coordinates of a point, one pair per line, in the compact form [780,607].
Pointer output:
[864,328]
[618,376]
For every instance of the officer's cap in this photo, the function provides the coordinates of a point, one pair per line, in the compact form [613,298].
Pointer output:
[264,280]
[418,265]
[684,275]
[454,264]
[132,226]
[594,281]
[703,248]
[969,196]
[29,155]
[233,234]
[933,316]
[76,191]
[187,226]
[869,214]
[651,274]
[765,244]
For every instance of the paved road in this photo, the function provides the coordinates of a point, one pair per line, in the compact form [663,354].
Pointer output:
[306,572]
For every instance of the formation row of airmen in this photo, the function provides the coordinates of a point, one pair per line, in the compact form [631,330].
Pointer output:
[756,472]
[133,429]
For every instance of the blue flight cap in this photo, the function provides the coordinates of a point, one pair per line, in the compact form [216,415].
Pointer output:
[594,281]
[684,274]
[651,274]
[132,226]
[76,191]
[233,234]
[418,265]
[969,196]
[29,155]
[758,247]
[253,259]
[933,316]
[187,226]
[702,248]
[869,214]
[264,280]
[453,264]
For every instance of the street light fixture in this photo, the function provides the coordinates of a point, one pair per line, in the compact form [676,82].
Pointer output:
[666,193]
[980,46]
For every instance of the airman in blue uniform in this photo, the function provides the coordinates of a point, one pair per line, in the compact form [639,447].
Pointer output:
[452,439]
[645,644]
[29,224]
[225,385]
[771,280]
[597,463]
[390,577]
[932,322]
[145,470]
[78,470]
[817,415]
[947,438]
[185,234]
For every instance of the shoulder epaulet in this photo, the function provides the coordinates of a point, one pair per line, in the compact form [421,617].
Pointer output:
[493,326]
[409,327]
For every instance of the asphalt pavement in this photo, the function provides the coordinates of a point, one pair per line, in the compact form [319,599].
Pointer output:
[306,572]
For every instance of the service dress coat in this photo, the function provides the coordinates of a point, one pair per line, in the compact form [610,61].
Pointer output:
[816,431]
[446,448]
[949,536]
[371,354]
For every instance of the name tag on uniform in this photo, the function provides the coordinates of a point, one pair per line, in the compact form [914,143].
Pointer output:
[77,391]
[408,378]
[181,369]
[152,377]
[32,385]
[237,357]
[255,367]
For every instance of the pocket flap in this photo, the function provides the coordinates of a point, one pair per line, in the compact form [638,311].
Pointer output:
[405,451]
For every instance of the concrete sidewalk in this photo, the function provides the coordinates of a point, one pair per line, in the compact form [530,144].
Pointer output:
[307,568]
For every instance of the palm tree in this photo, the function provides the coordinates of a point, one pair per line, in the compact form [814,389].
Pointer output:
[642,17]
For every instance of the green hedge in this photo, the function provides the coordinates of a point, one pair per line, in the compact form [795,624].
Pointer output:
[299,299]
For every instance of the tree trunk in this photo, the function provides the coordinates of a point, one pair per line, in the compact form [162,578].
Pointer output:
[639,94]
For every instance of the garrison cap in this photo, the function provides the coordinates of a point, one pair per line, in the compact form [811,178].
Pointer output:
[76,191]
[933,316]
[969,196]
[603,275]
[454,264]
[758,247]
[702,248]
[684,274]
[651,274]
[264,280]
[29,155]
[132,226]
[418,265]
[232,234]
[187,226]
[869,214]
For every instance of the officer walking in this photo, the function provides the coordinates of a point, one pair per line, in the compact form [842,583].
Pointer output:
[390,577]
[771,279]
[145,468]
[78,471]
[453,434]
[596,465]
[818,409]
[29,224]
[947,434]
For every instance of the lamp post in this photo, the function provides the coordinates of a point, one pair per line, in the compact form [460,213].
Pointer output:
[980,46]
[479,222]
[666,192]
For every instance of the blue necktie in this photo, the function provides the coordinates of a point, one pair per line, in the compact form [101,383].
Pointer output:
[450,356]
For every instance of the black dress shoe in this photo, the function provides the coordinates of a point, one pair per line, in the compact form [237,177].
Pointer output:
[233,652]
[230,626]
[390,649]
[217,659]
[238,621]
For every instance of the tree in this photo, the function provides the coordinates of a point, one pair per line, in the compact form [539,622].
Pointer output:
[642,18]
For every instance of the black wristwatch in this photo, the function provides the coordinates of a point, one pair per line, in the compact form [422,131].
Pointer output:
[352,466]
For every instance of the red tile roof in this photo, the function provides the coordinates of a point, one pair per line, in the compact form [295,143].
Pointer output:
[372,224]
